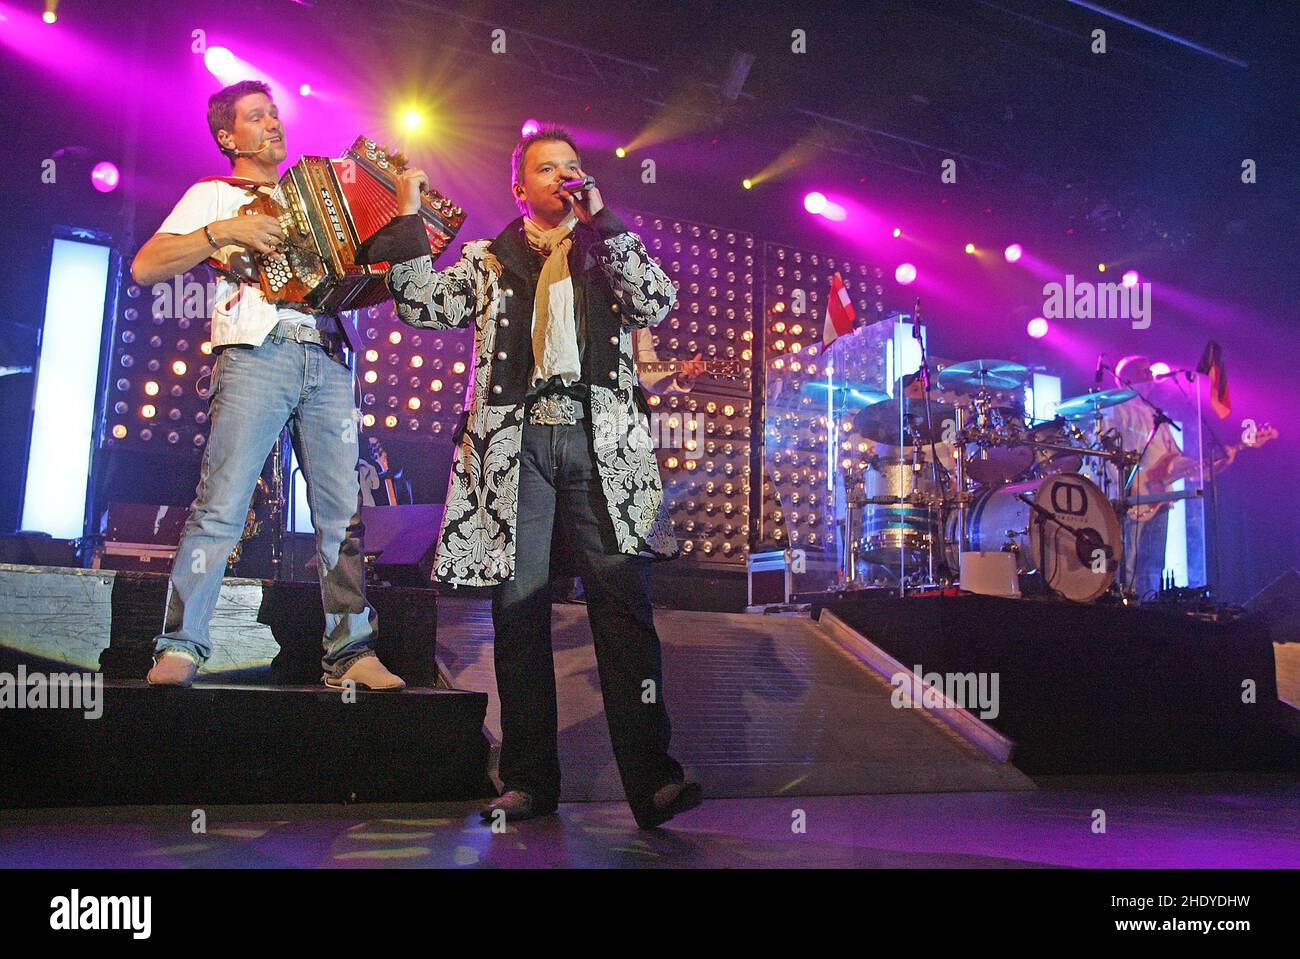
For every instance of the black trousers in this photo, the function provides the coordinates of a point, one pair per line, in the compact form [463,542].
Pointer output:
[558,485]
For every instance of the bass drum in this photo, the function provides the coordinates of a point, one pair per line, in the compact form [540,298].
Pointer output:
[1080,568]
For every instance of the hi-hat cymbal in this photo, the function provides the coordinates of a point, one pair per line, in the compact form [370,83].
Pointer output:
[971,376]
[880,421]
[1077,407]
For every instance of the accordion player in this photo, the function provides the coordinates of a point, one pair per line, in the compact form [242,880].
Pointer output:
[327,208]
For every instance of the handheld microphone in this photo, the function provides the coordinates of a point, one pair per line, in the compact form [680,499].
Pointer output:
[580,185]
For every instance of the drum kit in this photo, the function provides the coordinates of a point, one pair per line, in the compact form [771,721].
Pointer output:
[959,471]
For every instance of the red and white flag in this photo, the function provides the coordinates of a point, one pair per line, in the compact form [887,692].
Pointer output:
[839,312]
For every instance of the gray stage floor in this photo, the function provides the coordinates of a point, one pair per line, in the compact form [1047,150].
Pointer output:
[1242,822]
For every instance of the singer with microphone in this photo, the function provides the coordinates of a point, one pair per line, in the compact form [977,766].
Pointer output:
[554,449]
[272,366]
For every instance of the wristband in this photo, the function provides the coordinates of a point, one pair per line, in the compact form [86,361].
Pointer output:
[208,234]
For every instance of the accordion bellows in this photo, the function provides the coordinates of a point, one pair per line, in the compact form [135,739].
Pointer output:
[327,208]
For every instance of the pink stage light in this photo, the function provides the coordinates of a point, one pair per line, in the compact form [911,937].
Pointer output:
[905,274]
[1159,369]
[105,176]
[305,90]
[898,231]
[815,203]
[530,127]
[1037,328]
[219,61]
[1013,252]
[1130,278]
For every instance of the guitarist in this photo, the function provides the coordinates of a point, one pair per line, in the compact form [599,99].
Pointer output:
[682,381]
[1162,466]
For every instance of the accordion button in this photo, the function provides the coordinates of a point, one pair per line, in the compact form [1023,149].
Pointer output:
[614,339]
[502,355]
[497,388]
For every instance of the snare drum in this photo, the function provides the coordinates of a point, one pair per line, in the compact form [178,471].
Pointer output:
[1080,567]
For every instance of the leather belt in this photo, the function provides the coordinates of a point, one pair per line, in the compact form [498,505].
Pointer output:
[331,343]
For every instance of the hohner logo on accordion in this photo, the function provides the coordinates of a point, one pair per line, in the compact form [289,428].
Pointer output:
[327,207]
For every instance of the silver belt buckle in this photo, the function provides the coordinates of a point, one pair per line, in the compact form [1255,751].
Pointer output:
[553,410]
[298,329]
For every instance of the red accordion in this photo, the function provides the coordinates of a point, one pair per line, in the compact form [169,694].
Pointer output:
[327,208]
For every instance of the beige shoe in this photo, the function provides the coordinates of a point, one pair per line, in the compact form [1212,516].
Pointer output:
[368,673]
[172,669]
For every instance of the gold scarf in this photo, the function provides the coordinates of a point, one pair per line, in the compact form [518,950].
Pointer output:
[555,329]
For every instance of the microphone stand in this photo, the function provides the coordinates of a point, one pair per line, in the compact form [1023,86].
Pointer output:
[938,543]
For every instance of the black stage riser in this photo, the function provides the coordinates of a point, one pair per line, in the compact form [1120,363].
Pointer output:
[246,745]
[1097,689]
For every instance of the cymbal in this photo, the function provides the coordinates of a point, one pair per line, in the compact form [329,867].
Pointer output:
[1077,407]
[880,421]
[971,376]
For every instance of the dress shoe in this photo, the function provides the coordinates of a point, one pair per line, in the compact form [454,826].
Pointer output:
[173,669]
[672,799]
[517,805]
[368,673]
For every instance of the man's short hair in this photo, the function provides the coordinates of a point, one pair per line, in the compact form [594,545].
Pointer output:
[521,148]
[221,108]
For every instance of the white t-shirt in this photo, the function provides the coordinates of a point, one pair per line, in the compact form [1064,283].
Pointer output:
[240,313]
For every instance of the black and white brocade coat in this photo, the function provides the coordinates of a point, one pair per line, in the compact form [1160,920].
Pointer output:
[618,288]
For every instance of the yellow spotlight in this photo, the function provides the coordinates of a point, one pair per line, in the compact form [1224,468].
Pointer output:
[370,376]
[413,403]
[620,153]
[119,431]
[1101,267]
[417,361]
[395,337]
[50,15]
[148,411]
[372,356]
[458,367]
[390,421]
[747,183]
[179,367]
[368,419]
[206,347]
[412,120]
[970,247]
[151,388]
[435,385]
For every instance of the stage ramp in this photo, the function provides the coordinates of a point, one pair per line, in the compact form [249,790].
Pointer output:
[761,706]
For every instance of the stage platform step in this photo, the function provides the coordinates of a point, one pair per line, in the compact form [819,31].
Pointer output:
[1088,689]
[246,744]
[761,706]
[263,632]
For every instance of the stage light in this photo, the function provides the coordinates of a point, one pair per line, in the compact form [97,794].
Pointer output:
[815,203]
[148,411]
[1159,369]
[412,120]
[1130,278]
[1101,267]
[370,376]
[390,421]
[179,367]
[51,15]
[104,177]
[905,274]
[779,307]
[151,388]
[1037,327]
[413,403]
[119,431]
[970,248]
[435,385]
[530,127]
[372,356]
[305,90]
[620,153]
[395,337]
[219,61]
[747,183]
[897,232]
[458,367]
[1013,252]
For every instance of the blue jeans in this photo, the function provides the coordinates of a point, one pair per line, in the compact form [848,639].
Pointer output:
[254,392]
